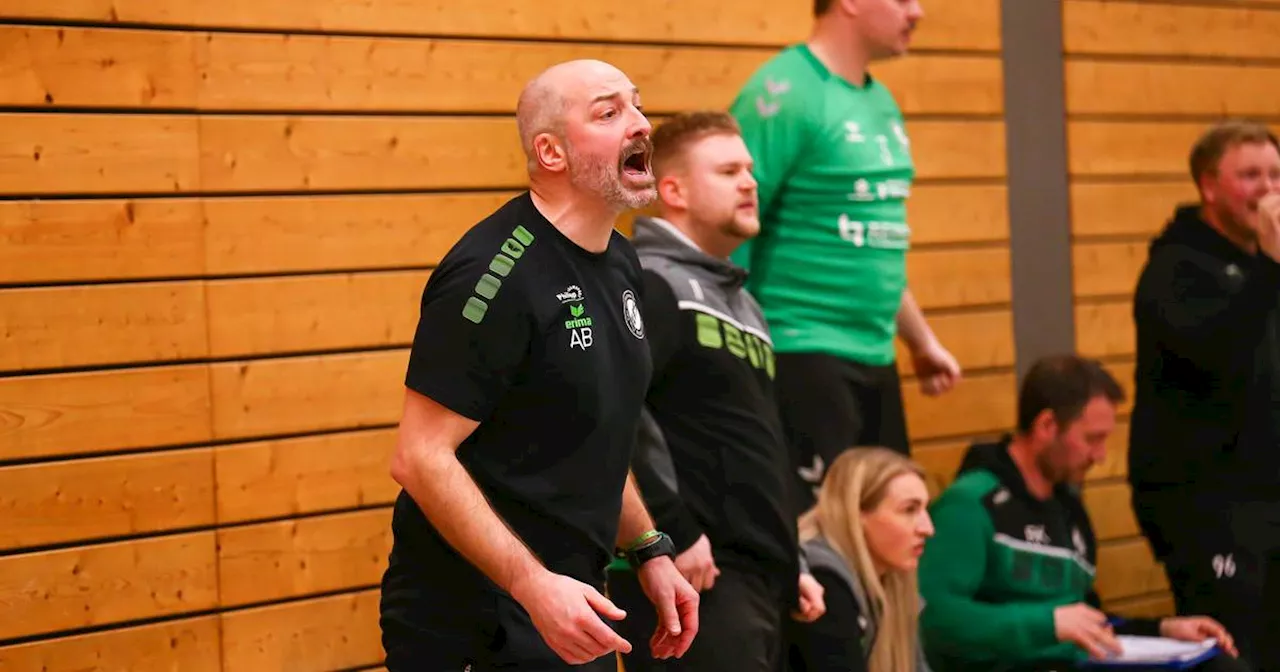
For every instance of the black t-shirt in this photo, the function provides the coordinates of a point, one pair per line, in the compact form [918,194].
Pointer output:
[542,342]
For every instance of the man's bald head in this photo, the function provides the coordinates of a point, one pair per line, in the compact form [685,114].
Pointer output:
[546,99]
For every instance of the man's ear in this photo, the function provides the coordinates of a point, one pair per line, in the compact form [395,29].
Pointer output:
[1045,424]
[550,153]
[672,193]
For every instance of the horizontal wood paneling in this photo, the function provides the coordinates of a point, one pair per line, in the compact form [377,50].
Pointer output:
[306,394]
[280,315]
[187,645]
[967,25]
[152,68]
[1170,29]
[293,558]
[978,340]
[954,278]
[1110,510]
[958,213]
[62,327]
[1127,569]
[305,475]
[979,404]
[49,241]
[98,585]
[112,496]
[1129,148]
[95,67]
[60,153]
[330,633]
[1107,269]
[1126,208]
[66,414]
[1107,87]
[52,153]
[1105,329]
[111,238]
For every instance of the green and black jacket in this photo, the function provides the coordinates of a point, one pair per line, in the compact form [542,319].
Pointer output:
[999,564]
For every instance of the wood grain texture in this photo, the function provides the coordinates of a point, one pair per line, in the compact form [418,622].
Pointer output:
[66,327]
[67,414]
[1170,29]
[967,25]
[99,585]
[306,394]
[325,312]
[1130,148]
[1105,329]
[187,645]
[958,213]
[305,475]
[113,496]
[1107,269]
[294,558]
[978,340]
[980,404]
[51,241]
[956,278]
[87,67]
[311,233]
[1127,209]
[329,633]
[97,154]
[1110,510]
[1127,569]
[286,72]
[1220,89]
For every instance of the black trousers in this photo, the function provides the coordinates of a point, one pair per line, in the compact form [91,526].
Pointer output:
[491,632]
[828,405]
[739,626]
[1222,560]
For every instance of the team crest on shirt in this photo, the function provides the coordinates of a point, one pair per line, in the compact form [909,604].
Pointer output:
[631,314]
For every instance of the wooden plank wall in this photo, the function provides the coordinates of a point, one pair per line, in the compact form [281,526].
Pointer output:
[1143,79]
[215,222]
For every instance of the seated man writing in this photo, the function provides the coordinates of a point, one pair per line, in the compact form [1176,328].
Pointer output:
[1008,578]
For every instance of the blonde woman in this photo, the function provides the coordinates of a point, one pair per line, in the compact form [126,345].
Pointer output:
[863,540]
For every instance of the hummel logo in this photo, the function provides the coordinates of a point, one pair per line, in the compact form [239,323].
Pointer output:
[570,294]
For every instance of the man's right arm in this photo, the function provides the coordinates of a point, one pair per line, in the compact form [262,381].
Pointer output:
[954,621]
[425,464]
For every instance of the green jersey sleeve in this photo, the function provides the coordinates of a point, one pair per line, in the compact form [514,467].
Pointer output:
[955,622]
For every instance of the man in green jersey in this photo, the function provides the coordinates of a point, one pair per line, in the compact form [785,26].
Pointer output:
[834,167]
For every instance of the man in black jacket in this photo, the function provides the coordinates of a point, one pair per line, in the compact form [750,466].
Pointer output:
[1204,455]
[710,459]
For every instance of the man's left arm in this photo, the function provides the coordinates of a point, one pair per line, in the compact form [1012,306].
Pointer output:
[936,369]
[674,599]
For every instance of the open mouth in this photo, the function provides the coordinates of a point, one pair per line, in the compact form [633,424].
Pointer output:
[636,161]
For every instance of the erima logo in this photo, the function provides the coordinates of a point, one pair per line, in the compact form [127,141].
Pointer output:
[571,294]
[499,267]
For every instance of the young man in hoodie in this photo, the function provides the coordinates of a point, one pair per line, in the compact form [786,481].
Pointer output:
[710,459]
[1008,577]
[834,164]
[1204,454]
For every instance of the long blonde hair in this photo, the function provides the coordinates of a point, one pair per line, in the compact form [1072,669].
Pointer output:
[855,484]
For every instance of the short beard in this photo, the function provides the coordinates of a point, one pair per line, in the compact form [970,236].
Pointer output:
[597,176]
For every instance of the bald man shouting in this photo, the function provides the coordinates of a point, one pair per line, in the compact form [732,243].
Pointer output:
[524,386]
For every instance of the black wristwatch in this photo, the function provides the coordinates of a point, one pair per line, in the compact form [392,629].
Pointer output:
[657,546]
